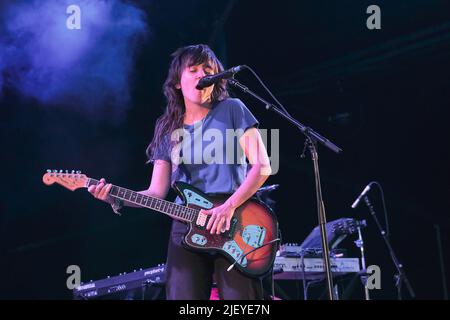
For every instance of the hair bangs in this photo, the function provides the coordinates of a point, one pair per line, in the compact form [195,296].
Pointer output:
[197,55]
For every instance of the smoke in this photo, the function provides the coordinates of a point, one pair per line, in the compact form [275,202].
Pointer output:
[87,69]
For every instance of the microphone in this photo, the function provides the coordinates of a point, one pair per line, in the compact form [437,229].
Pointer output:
[210,80]
[366,189]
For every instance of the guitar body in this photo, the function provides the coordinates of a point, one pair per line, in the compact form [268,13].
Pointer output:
[253,225]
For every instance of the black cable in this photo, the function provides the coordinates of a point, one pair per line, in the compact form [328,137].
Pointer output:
[267,89]
[384,207]
[243,256]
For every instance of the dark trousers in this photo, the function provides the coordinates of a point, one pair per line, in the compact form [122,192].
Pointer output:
[190,274]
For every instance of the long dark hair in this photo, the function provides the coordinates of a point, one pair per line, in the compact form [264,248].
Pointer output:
[172,117]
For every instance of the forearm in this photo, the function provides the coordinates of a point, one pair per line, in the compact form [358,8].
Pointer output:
[256,177]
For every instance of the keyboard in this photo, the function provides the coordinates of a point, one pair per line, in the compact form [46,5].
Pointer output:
[291,268]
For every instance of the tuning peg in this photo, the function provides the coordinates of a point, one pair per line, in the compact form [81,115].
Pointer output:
[73,171]
[55,171]
[49,171]
[78,172]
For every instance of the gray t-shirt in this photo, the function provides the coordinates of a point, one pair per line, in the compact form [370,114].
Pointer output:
[209,156]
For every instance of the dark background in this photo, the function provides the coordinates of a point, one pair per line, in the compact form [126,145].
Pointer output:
[381,95]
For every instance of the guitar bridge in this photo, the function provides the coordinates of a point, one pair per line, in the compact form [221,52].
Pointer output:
[254,235]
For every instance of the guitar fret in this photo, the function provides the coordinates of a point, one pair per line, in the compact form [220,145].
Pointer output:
[91,182]
[151,203]
[173,208]
[167,207]
[113,191]
[158,204]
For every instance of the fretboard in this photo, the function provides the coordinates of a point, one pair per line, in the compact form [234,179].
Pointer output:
[174,210]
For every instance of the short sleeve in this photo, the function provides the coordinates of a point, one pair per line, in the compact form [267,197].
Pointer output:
[242,117]
[162,151]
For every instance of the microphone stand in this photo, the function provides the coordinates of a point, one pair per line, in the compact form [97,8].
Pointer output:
[312,139]
[400,277]
[360,244]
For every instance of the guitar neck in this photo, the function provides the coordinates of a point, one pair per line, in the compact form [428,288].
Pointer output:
[171,209]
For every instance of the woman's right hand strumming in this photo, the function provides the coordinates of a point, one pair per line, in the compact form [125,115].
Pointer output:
[101,191]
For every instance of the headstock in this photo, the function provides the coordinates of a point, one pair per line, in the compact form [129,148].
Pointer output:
[72,181]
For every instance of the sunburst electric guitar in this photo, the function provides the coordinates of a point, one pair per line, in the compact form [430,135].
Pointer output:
[250,244]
